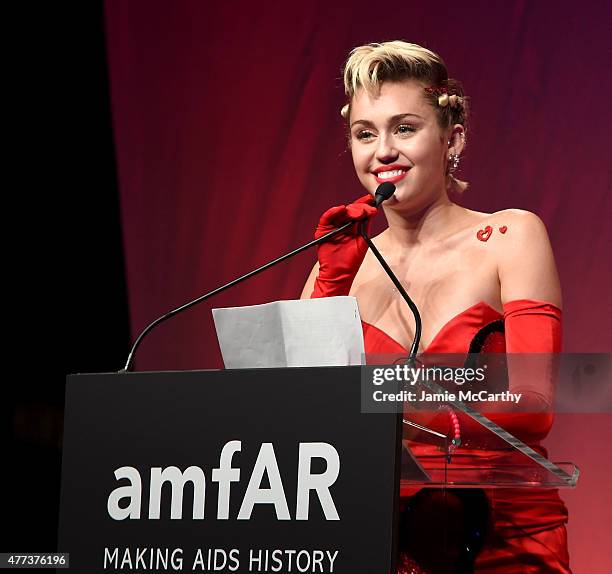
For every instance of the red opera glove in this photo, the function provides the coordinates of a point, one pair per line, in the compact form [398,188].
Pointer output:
[341,256]
[533,340]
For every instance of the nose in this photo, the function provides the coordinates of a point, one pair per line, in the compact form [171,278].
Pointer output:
[385,151]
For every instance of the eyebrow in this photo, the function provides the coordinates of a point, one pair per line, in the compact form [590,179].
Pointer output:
[391,120]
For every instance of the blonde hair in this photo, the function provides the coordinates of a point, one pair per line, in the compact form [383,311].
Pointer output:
[369,66]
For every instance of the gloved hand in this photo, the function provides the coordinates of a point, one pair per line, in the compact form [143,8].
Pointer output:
[341,256]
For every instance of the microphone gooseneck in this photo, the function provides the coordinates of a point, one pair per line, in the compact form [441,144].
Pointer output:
[383,192]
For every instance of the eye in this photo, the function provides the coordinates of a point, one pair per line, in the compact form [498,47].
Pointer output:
[405,129]
[364,135]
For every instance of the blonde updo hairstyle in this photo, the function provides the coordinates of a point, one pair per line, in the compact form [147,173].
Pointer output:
[369,66]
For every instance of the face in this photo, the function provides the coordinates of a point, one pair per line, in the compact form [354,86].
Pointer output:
[396,137]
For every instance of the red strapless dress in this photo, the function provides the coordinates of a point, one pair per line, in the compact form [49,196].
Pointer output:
[527,532]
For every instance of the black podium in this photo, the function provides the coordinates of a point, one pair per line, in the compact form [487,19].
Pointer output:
[259,470]
[264,470]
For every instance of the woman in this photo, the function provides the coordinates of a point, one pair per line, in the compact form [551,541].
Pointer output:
[464,270]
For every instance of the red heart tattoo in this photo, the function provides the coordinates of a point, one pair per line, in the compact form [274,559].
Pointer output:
[484,234]
[503,229]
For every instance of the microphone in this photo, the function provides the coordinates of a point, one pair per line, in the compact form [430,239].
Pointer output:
[383,192]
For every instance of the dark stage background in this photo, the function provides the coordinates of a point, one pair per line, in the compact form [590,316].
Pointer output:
[229,144]
[65,304]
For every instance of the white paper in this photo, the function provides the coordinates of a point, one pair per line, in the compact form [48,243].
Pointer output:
[305,333]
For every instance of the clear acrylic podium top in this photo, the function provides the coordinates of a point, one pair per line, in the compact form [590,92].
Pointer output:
[488,456]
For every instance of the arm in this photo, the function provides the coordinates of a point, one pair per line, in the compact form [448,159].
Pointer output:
[531,296]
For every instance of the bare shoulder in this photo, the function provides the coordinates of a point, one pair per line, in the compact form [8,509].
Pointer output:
[525,259]
[514,228]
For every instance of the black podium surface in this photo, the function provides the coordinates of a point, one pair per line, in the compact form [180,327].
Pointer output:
[264,470]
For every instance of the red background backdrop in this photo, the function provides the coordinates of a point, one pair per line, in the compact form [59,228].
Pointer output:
[230,144]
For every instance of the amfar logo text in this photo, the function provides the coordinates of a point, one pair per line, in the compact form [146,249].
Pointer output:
[224,476]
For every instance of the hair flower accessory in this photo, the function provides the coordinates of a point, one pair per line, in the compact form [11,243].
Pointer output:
[444,99]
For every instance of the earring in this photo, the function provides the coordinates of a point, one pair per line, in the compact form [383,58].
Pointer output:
[453,158]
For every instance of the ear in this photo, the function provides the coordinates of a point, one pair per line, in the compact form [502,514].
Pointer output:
[456,139]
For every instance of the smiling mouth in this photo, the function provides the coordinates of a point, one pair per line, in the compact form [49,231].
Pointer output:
[391,175]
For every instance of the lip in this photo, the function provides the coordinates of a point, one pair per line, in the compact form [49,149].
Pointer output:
[392,167]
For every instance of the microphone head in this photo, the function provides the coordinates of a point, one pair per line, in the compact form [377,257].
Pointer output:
[383,192]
